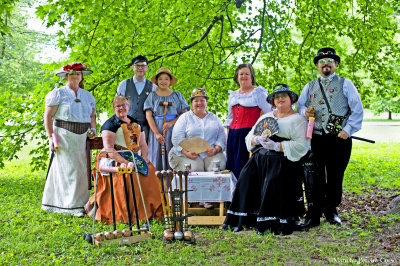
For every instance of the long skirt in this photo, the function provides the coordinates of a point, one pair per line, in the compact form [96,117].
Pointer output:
[151,195]
[268,193]
[237,154]
[66,188]
[155,150]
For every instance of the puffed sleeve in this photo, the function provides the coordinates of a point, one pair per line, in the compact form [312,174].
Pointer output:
[298,145]
[262,95]
[228,120]
[53,98]
[221,134]
[149,103]
[250,135]
[182,103]
[92,101]
[179,133]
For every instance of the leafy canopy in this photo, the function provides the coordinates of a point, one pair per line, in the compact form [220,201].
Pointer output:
[203,41]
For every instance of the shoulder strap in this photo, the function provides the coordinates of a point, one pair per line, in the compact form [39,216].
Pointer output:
[326,100]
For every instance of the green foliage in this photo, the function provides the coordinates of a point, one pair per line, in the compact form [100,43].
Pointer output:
[6,7]
[21,107]
[203,41]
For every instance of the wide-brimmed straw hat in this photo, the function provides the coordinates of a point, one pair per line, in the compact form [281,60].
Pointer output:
[198,92]
[326,53]
[282,88]
[72,67]
[164,70]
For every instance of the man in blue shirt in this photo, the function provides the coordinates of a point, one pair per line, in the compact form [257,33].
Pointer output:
[335,104]
[136,89]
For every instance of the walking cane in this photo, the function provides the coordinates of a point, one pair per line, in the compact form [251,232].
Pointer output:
[51,161]
[163,146]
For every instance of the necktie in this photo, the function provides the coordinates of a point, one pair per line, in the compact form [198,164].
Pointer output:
[325,83]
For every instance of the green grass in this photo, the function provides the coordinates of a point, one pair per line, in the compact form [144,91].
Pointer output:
[380,120]
[29,235]
[373,165]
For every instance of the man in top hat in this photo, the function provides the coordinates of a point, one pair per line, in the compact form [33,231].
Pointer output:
[335,104]
[136,89]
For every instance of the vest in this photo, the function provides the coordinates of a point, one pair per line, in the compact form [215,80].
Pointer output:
[137,101]
[337,101]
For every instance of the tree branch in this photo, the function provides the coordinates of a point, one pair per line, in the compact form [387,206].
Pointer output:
[261,34]
[216,19]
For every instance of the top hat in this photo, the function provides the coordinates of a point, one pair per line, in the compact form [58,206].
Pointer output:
[326,53]
[282,88]
[164,70]
[73,67]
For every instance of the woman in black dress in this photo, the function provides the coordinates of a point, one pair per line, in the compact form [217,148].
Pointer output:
[268,194]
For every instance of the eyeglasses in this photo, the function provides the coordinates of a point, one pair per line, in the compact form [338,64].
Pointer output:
[120,106]
[280,96]
[326,60]
[140,66]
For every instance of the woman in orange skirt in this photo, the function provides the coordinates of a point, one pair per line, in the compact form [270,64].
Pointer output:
[123,132]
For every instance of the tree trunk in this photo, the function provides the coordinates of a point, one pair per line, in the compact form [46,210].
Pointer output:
[390,115]
[394,206]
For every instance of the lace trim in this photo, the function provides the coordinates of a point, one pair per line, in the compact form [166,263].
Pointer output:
[269,218]
[242,213]
[54,209]
[257,90]
[237,213]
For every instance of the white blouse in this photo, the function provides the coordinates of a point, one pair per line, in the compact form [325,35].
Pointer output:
[257,97]
[294,128]
[208,128]
[68,109]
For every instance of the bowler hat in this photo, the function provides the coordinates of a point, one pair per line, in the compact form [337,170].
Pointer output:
[326,53]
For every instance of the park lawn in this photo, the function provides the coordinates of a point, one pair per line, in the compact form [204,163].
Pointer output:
[29,235]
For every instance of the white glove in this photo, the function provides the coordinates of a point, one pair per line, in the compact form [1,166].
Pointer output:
[51,144]
[271,145]
[259,139]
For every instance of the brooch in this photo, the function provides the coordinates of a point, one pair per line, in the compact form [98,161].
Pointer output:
[77,100]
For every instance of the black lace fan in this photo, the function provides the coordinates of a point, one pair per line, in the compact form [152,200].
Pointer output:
[268,127]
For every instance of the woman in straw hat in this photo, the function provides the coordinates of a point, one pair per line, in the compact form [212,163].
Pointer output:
[268,194]
[175,105]
[70,115]
[203,124]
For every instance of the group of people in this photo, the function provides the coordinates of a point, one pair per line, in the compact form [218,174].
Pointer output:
[268,194]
